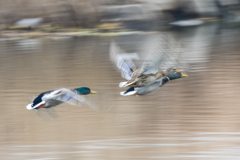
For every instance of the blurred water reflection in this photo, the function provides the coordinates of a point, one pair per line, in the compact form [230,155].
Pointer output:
[193,118]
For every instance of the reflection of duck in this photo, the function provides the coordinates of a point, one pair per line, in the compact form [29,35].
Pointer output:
[58,96]
[148,73]
[152,87]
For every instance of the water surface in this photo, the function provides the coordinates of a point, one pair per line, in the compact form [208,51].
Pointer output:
[193,118]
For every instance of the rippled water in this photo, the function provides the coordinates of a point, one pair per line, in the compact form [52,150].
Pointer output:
[193,118]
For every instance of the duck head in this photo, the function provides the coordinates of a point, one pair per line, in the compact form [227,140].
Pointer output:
[176,75]
[84,91]
[173,76]
[170,71]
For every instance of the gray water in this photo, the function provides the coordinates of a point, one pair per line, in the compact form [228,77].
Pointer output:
[193,118]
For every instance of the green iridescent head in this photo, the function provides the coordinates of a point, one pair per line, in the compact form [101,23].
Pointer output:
[84,91]
[176,76]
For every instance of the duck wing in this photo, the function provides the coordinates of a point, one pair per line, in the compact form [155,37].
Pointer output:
[122,60]
[160,54]
[63,95]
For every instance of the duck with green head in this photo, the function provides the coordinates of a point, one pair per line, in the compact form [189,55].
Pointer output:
[55,97]
[152,69]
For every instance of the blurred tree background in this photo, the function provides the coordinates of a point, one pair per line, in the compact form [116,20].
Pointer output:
[89,13]
[67,13]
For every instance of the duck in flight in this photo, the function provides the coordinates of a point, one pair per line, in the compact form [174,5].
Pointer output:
[147,79]
[55,97]
[153,67]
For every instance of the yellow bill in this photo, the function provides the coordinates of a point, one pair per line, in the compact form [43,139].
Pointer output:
[93,92]
[184,75]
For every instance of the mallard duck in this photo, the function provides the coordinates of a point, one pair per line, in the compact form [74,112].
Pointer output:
[58,96]
[152,87]
[148,73]
[145,80]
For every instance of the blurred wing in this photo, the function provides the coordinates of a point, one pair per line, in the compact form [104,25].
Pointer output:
[122,61]
[161,54]
[175,58]
[71,97]
[67,95]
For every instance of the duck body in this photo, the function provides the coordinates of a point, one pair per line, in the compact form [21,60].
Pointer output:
[56,97]
[148,89]
[152,87]
[145,80]
[44,97]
